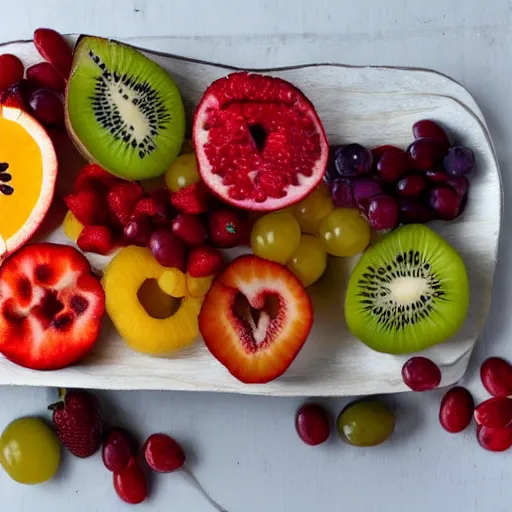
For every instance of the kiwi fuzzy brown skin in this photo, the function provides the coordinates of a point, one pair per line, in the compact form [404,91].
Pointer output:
[393,314]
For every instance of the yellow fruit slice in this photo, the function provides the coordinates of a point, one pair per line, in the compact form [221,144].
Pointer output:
[122,280]
[199,286]
[72,226]
[173,282]
[28,170]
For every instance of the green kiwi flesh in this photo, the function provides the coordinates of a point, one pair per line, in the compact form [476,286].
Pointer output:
[123,111]
[409,291]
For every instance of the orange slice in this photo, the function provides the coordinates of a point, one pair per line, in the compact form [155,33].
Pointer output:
[28,170]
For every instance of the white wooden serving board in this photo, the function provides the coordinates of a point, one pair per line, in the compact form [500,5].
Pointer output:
[369,105]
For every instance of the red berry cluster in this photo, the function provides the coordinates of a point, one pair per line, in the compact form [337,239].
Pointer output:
[174,225]
[392,186]
[41,92]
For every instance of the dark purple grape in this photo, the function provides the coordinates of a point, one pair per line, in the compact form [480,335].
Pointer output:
[392,165]
[426,129]
[138,231]
[352,160]
[382,212]
[459,161]
[412,185]
[341,193]
[330,171]
[460,184]
[445,202]
[365,188]
[167,249]
[426,153]
[413,212]
[47,107]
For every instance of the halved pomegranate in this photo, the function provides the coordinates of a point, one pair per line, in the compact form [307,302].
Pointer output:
[259,142]
[255,319]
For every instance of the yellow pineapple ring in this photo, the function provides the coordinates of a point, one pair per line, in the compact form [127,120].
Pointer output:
[122,280]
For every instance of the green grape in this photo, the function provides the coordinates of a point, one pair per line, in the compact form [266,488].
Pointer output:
[29,451]
[313,209]
[344,232]
[366,423]
[309,260]
[182,172]
[275,237]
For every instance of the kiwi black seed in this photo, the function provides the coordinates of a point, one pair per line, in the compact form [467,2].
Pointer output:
[123,110]
[409,291]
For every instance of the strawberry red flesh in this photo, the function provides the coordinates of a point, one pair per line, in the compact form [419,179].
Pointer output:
[255,319]
[51,306]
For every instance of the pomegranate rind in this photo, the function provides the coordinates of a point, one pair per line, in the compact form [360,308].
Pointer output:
[49,178]
[211,101]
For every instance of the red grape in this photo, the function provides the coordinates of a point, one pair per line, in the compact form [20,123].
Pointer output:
[459,161]
[412,211]
[341,193]
[456,409]
[365,189]
[138,230]
[444,202]
[496,375]
[47,107]
[392,166]
[421,374]
[313,424]
[426,153]
[412,185]
[494,439]
[167,249]
[189,229]
[495,412]
[130,483]
[118,447]
[382,212]
[429,130]
[163,454]
[352,160]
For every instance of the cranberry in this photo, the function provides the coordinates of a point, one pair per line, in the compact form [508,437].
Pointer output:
[460,184]
[435,176]
[412,185]
[163,454]
[118,447]
[496,375]
[426,153]
[392,166]
[382,212]
[11,70]
[456,409]
[445,202]
[313,424]
[380,150]
[494,439]
[427,129]
[421,374]
[130,483]
[495,412]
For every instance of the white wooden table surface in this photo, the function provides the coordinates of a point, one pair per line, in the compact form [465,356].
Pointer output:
[244,449]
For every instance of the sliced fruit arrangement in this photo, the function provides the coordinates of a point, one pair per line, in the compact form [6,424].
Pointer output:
[123,111]
[259,142]
[255,319]
[51,306]
[409,291]
[391,186]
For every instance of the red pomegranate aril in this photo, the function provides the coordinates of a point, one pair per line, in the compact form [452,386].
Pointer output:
[382,212]
[445,202]
[427,129]
[11,70]
[392,165]
[412,185]
[118,447]
[47,107]
[421,374]
[413,211]
[496,375]
[494,439]
[495,412]
[130,483]
[163,453]
[426,153]
[456,409]
[313,424]
[138,231]
[54,49]
[45,75]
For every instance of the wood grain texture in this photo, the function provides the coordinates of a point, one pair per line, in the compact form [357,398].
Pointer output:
[369,105]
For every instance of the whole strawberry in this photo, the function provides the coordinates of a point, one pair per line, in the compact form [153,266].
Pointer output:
[227,228]
[78,422]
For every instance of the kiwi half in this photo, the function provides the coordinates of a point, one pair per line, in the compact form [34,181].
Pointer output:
[123,111]
[408,292]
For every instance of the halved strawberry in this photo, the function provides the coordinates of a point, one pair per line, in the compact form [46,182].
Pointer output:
[51,306]
[95,175]
[88,205]
[255,319]
[122,199]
